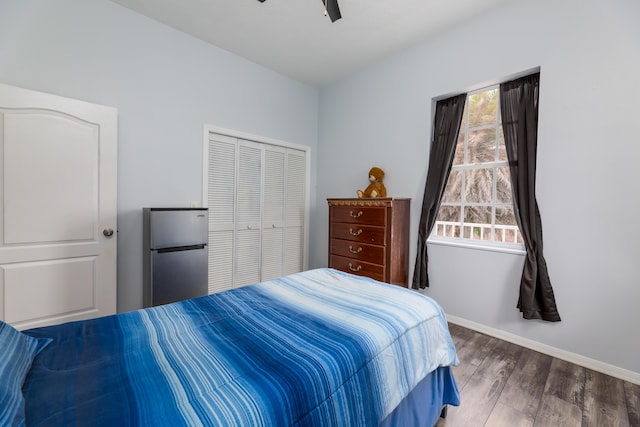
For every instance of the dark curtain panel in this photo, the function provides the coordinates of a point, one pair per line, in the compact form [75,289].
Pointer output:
[446,125]
[519,108]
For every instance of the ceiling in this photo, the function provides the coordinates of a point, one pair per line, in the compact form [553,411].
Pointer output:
[293,37]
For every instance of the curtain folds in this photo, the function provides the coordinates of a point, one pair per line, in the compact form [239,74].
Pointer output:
[446,126]
[519,108]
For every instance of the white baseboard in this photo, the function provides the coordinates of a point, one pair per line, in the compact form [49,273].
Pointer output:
[596,365]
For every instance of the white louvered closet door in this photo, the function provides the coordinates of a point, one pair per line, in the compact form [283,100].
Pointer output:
[222,160]
[256,194]
[294,247]
[273,219]
[249,207]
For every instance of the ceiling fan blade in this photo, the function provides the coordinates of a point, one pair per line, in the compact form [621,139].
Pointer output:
[332,9]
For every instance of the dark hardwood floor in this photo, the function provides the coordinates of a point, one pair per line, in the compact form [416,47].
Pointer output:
[503,384]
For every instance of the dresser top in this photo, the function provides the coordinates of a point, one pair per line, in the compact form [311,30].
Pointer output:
[377,201]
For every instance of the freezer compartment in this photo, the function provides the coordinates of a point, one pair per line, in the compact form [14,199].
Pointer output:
[170,228]
[179,274]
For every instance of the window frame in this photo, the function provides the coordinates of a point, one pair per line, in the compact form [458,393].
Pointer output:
[509,247]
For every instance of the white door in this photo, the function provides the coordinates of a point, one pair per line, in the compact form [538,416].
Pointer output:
[257,195]
[221,157]
[296,215]
[273,217]
[249,210]
[57,208]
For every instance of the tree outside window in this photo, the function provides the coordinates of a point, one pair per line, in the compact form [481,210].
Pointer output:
[477,203]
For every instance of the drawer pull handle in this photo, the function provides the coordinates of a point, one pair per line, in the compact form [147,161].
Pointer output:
[358,215]
[357,233]
[356,251]
[358,268]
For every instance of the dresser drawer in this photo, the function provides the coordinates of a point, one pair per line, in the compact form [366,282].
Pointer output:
[359,215]
[358,233]
[360,268]
[360,251]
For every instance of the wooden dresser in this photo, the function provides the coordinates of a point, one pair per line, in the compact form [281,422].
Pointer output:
[370,237]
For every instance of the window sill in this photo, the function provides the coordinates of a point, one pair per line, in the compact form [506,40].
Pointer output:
[478,245]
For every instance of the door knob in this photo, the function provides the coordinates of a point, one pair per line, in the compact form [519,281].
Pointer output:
[108,232]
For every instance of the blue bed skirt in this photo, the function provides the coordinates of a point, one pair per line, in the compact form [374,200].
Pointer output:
[423,406]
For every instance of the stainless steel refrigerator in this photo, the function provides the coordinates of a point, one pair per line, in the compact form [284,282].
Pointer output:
[175,254]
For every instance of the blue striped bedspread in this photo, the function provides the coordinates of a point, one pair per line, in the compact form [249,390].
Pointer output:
[318,348]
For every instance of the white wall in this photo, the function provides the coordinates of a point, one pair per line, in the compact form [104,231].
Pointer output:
[588,174]
[166,86]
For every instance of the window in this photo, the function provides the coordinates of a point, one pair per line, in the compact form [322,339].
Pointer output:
[477,204]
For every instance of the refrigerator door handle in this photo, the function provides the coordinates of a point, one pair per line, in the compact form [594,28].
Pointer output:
[180,248]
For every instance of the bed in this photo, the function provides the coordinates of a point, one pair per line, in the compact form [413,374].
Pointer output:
[318,348]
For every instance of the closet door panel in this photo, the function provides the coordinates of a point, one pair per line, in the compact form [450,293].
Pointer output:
[294,247]
[221,184]
[249,209]
[273,217]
